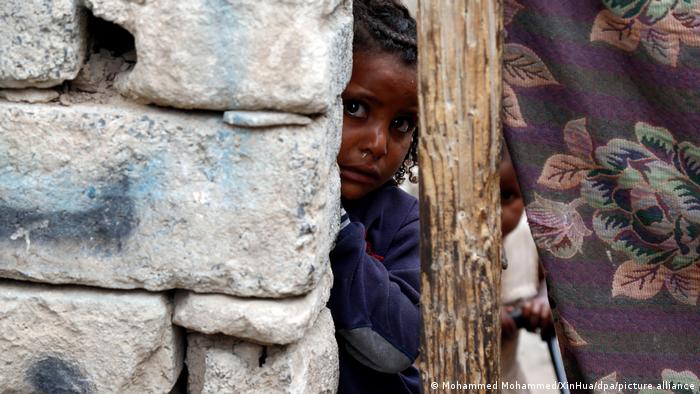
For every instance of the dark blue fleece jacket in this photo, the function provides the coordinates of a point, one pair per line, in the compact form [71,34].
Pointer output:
[375,296]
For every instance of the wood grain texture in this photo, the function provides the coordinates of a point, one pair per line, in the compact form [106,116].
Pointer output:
[460,46]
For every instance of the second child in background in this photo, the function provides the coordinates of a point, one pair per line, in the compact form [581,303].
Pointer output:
[522,284]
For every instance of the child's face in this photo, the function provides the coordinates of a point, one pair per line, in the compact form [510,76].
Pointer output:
[380,114]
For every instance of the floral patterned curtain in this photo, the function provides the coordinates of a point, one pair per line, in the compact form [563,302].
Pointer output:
[602,117]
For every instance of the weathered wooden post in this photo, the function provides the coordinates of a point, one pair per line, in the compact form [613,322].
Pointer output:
[459,95]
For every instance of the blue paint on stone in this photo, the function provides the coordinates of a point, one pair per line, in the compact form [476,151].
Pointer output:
[145,179]
[52,191]
[91,192]
[226,152]
[111,218]
[223,35]
[220,155]
[98,204]
[54,375]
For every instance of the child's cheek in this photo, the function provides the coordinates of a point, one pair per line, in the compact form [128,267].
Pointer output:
[342,151]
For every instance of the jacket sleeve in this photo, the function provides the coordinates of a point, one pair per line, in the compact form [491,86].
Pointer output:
[375,304]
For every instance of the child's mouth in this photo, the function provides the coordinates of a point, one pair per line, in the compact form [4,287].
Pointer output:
[359,175]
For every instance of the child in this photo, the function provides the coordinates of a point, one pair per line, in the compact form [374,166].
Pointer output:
[375,295]
[520,282]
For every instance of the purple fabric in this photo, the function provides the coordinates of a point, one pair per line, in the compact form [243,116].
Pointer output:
[601,115]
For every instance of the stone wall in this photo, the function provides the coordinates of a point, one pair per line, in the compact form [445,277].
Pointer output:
[169,194]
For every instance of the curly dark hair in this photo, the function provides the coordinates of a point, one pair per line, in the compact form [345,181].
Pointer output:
[386,26]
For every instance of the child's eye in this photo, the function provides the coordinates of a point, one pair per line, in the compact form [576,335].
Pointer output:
[508,196]
[403,125]
[355,109]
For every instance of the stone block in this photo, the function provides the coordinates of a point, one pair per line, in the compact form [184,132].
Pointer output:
[138,197]
[30,95]
[266,321]
[84,340]
[42,42]
[289,56]
[220,364]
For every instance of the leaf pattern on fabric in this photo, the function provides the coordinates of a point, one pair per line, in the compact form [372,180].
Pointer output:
[662,46]
[689,159]
[646,196]
[578,140]
[616,31]
[557,227]
[510,10]
[523,68]
[564,172]
[682,22]
[656,139]
[639,282]
[660,26]
[571,335]
[684,285]
[510,108]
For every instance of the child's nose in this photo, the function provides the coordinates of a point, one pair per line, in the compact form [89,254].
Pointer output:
[377,140]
